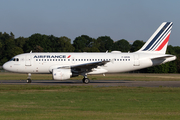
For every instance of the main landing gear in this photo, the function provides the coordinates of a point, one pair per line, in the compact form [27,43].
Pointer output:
[29,78]
[85,79]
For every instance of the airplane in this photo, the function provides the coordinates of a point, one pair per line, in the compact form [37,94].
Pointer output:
[65,65]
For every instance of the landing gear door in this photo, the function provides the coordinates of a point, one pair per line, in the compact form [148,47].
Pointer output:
[28,60]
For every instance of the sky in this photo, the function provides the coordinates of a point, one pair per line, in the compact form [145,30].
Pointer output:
[120,19]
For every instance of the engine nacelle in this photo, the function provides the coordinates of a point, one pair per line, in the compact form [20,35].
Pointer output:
[61,74]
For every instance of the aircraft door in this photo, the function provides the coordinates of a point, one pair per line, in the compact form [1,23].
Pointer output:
[136,60]
[28,60]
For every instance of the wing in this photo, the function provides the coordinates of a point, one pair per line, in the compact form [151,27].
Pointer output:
[87,66]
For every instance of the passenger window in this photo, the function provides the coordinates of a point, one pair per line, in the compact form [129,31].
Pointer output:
[84,59]
[68,59]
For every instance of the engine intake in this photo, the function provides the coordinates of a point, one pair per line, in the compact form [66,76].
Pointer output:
[61,74]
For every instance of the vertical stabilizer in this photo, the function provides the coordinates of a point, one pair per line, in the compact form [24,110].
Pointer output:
[158,42]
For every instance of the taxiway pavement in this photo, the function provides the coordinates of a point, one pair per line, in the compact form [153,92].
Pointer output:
[99,83]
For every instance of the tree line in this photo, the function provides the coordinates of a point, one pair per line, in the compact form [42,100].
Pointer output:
[11,46]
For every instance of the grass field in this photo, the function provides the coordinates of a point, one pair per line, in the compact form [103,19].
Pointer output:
[41,102]
[27,102]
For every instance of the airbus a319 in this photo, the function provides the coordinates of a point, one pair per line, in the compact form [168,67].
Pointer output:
[63,66]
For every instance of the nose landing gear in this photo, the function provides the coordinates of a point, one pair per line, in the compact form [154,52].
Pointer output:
[29,78]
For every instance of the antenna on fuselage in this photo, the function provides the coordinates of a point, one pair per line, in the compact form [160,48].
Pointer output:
[31,51]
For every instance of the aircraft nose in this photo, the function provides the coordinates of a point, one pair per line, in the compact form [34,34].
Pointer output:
[5,66]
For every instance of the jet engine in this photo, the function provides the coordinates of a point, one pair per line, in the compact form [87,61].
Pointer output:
[61,74]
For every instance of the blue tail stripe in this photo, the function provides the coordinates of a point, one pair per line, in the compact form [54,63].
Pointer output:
[155,38]
[164,34]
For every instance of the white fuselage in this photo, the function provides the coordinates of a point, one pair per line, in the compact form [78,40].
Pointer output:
[119,62]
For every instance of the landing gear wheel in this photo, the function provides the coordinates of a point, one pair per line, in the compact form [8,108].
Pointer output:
[28,80]
[85,80]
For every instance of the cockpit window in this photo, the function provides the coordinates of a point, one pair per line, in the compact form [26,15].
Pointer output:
[14,59]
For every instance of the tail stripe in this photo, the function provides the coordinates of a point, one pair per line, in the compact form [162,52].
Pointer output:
[163,44]
[157,36]
[161,38]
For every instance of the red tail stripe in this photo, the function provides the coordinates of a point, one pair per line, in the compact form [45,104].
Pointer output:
[163,44]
